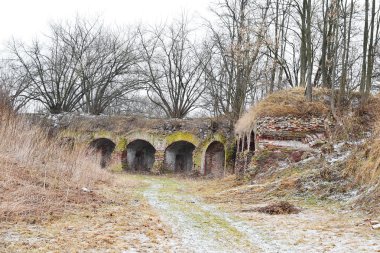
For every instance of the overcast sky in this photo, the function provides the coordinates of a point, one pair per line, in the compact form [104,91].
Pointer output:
[26,19]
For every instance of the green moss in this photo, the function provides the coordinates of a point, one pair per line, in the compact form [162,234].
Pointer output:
[117,168]
[202,147]
[182,136]
[121,145]
[156,139]
[230,152]
[189,137]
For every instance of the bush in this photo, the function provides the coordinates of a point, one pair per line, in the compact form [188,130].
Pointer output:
[282,207]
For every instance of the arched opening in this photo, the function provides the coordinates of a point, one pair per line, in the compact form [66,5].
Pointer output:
[232,160]
[252,142]
[179,156]
[245,143]
[103,147]
[214,159]
[140,155]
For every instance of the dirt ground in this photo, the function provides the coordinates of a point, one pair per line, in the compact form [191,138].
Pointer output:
[170,214]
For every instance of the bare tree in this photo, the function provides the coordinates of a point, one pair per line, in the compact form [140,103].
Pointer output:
[51,68]
[108,68]
[304,10]
[347,29]
[80,65]
[173,67]
[14,83]
[237,38]
[135,103]
[278,43]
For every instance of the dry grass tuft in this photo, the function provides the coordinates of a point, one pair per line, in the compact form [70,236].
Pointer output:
[38,178]
[364,164]
[282,207]
[285,103]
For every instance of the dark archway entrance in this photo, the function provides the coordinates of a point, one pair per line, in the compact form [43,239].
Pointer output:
[179,156]
[140,155]
[103,147]
[214,159]
[252,142]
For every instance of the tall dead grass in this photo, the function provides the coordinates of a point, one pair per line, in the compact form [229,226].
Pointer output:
[284,103]
[39,179]
[364,164]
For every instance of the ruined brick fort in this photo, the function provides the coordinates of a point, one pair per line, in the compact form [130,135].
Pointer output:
[191,146]
[204,147]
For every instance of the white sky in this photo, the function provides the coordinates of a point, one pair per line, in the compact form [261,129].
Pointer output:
[27,19]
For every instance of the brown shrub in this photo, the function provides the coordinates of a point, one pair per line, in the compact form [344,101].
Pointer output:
[282,207]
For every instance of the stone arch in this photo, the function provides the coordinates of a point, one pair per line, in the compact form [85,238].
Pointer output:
[179,156]
[104,147]
[182,136]
[214,159]
[139,155]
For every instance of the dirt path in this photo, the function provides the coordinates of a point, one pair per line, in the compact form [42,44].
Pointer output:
[205,227]
[201,227]
[162,214]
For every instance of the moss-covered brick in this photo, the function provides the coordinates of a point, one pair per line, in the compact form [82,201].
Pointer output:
[182,136]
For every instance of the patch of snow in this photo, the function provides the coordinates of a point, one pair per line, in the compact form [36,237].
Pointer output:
[282,165]
[289,144]
[338,157]
[309,159]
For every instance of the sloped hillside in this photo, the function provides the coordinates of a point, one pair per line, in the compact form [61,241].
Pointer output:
[342,166]
[41,177]
[364,167]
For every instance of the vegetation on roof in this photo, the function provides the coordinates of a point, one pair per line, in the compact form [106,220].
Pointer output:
[290,102]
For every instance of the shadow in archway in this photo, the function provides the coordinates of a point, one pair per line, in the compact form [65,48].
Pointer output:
[179,157]
[103,147]
[140,156]
[214,159]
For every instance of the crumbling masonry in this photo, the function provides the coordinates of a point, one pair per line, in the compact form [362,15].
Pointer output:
[206,147]
[288,134]
[193,146]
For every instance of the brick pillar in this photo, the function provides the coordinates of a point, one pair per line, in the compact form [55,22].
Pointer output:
[158,165]
[241,164]
[116,161]
[123,160]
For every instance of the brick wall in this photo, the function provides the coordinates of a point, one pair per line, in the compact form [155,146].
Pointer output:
[214,160]
[292,133]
